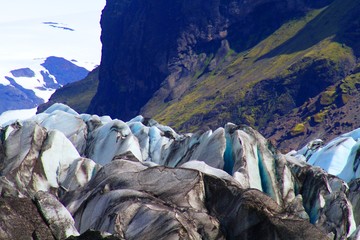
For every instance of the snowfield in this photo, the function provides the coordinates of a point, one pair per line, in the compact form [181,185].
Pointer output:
[26,36]
[32,31]
[9,116]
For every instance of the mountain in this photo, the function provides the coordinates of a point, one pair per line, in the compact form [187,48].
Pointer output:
[78,95]
[45,47]
[287,68]
[65,175]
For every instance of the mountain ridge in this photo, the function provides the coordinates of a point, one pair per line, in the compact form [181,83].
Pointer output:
[40,58]
[291,82]
[189,42]
[216,82]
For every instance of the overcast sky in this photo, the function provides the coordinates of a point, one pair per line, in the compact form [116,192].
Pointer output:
[13,10]
[24,36]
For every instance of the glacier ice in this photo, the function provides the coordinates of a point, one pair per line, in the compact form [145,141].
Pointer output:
[338,157]
[59,218]
[98,166]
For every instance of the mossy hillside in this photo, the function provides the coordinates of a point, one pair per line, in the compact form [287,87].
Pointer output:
[298,129]
[335,96]
[227,81]
[319,117]
[338,94]
[288,53]
[328,97]
[251,67]
[350,83]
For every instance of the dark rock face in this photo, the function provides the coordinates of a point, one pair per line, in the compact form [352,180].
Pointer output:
[24,97]
[19,218]
[23,72]
[64,70]
[159,45]
[195,63]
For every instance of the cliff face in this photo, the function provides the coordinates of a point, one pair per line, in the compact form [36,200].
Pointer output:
[283,67]
[161,46]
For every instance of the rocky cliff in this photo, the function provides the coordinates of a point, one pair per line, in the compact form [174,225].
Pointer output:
[163,47]
[191,64]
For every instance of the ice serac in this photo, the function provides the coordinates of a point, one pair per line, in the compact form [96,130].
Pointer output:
[62,118]
[21,146]
[34,158]
[58,218]
[186,200]
[325,199]
[257,216]
[340,157]
[257,164]
[113,139]
[354,197]
[139,178]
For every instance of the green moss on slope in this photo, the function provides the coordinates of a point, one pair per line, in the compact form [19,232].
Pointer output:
[298,61]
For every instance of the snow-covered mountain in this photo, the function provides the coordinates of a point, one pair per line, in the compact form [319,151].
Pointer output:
[44,45]
[142,180]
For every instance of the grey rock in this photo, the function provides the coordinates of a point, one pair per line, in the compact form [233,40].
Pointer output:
[354,197]
[250,214]
[325,200]
[162,203]
[56,215]
[20,219]
[95,235]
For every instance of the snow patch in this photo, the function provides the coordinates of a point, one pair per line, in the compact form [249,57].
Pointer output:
[71,30]
[13,115]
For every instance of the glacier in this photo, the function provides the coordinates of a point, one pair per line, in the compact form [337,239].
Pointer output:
[339,157]
[140,179]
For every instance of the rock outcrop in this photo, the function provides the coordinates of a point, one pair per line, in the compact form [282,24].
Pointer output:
[270,64]
[161,46]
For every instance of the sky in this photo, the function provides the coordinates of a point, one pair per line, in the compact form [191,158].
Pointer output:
[25,41]
[16,10]
[24,37]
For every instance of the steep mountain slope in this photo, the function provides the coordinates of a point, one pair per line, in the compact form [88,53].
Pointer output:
[254,63]
[78,95]
[161,44]
[32,34]
[27,87]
